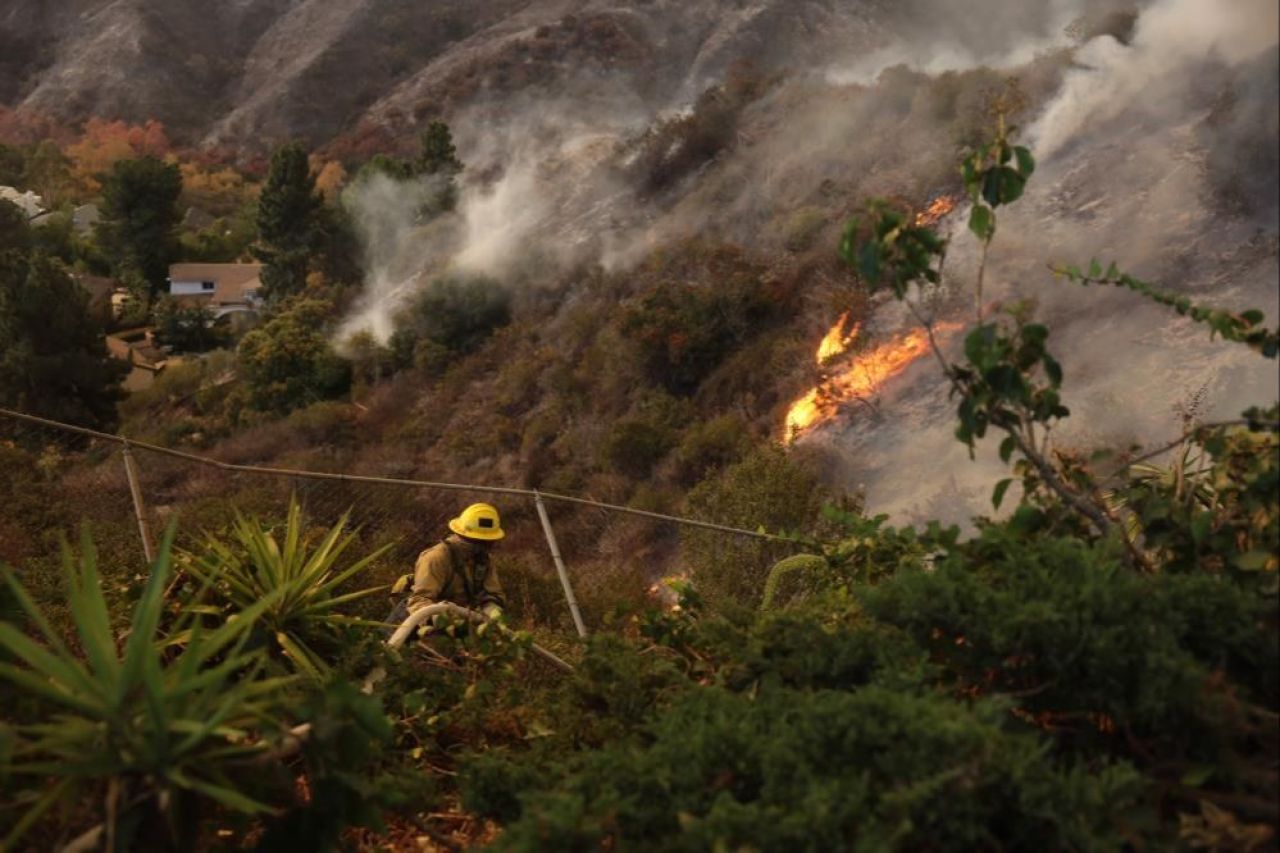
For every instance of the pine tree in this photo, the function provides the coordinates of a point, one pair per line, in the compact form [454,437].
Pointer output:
[53,359]
[438,154]
[138,230]
[289,217]
[438,158]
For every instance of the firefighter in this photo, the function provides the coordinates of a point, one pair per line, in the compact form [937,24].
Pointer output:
[457,569]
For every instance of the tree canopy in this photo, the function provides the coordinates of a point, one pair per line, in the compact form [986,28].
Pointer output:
[289,220]
[53,359]
[138,229]
[288,362]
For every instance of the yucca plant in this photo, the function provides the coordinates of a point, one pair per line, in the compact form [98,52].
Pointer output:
[1185,480]
[160,728]
[302,582]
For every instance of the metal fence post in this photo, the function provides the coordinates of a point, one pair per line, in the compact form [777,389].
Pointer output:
[559,561]
[139,509]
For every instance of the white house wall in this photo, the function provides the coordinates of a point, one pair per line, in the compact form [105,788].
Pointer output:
[188,288]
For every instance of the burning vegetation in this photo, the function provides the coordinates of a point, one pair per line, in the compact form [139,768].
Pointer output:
[937,210]
[862,377]
[866,373]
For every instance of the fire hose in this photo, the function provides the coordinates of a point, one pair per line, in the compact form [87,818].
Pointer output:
[421,617]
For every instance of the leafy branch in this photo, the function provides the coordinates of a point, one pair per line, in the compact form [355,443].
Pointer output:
[1246,327]
[994,175]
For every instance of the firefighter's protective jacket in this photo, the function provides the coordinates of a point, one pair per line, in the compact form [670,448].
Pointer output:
[458,571]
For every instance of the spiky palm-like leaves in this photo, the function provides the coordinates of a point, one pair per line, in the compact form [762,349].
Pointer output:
[301,582]
[159,724]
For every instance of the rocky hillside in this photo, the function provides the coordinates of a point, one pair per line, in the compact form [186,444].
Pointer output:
[250,72]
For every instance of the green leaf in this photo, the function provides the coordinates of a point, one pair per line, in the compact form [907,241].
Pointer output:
[978,343]
[89,609]
[982,222]
[1011,185]
[1027,519]
[1006,381]
[227,796]
[1007,447]
[1026,162]
[1035,333]
[997,496]
[869,261]
[1052,369]
[33,813]
[991,189]
[303,658]
[146,619]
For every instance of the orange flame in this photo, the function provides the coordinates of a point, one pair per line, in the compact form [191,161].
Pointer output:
[937,209]
[837,340]
[862,378]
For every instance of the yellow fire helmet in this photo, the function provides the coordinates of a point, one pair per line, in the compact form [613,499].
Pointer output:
[478,521]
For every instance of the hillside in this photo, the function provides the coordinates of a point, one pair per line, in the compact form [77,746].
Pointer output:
[878,399]
[252,73]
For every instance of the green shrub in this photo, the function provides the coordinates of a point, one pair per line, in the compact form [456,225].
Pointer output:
[185,328]
[288,362]
[684,329]
[324,423]
[344,763]
[788,770]
[634,447]
[453,314]
[770,489]
[1067,625]
[678,146]
[710,446]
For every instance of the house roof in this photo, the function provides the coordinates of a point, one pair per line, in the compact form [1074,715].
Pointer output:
[84,217]
[28,202]
[99,287]
[231,282]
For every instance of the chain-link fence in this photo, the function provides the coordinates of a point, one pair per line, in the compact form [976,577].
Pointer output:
[566,563]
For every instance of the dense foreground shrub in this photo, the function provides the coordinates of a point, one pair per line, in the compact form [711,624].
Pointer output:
[791,770]
[1025,692]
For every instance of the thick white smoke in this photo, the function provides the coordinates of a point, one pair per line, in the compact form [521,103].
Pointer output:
[1148,77]
[533,199]
[942,40]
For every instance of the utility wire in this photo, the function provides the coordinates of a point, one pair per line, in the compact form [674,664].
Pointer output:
[356,478]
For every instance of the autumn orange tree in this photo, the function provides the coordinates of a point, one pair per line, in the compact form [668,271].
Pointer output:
[104,143]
